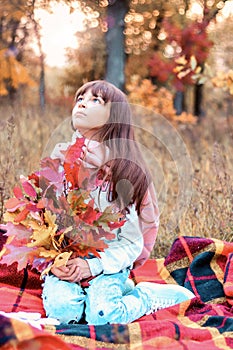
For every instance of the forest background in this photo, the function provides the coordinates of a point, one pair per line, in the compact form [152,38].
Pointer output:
[173,60]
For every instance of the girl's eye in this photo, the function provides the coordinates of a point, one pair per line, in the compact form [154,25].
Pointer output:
[79,99]
[97,100]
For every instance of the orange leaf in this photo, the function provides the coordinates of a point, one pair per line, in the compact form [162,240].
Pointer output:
[22,215]
[13,203]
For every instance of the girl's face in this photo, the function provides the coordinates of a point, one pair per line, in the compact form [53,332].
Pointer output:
[90,113]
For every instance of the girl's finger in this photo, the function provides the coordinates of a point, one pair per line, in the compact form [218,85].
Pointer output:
[72,269]
[76,275]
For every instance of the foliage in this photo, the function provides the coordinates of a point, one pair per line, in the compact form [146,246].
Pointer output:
[183,43]
[224,80]
[12,29]
[201,75]
[52,215]
[160,100]
[12,73]
[18,28]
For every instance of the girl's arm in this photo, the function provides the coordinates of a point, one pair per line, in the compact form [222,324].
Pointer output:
[123,250]
[149,223]
[135,241]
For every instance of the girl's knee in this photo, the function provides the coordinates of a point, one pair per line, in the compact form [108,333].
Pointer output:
[98,314]
[63,300]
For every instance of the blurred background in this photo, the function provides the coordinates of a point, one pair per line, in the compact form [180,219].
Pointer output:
[173,59]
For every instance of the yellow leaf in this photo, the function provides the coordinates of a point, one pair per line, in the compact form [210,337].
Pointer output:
[198,70]
[48,253]
[181,60]
[50,219]
[9,217]
[178,69]
[193,62]
[41,236]
[230,74]
[62,259]
[46,271]
[184,73]
[3,251]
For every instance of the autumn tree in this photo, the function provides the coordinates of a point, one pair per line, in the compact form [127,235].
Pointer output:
[17,24]
[13,36]
[166,31]
[111,19]
[184,34]
[127,28]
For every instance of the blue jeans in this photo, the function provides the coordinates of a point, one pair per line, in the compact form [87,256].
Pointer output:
[104,301]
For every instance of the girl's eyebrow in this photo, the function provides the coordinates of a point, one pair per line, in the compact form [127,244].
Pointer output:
[96,95]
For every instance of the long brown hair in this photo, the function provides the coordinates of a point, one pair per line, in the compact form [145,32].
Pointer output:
[129,175]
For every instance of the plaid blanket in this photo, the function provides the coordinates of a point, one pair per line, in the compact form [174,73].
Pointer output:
[205,266]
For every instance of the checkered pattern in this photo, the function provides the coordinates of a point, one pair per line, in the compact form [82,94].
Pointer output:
[205,266]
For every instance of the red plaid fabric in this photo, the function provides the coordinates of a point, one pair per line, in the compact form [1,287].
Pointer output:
[200,264]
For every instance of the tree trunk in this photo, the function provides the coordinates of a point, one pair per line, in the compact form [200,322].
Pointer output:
[179,102]
[115,42]
[42,66]
[198,99]
[42,87]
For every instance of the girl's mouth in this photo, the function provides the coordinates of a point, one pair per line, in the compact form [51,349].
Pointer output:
[79,113]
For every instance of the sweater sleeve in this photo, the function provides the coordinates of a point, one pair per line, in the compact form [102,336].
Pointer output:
[123,250]
[149,223]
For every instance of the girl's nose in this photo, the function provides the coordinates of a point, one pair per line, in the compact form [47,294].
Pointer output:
[82,104]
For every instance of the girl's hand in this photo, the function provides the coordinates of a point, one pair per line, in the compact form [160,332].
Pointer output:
[71,274]
[75,270]
[82,265]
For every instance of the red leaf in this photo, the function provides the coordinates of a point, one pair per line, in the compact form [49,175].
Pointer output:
[42,203]
[72,174]
[90,215]
[50,163]
[35,179]
[87,244]
[18,192]
[113,225]
[22,255]
[20,232]
[29,189]
[52,175]
[74,151]
[31,206]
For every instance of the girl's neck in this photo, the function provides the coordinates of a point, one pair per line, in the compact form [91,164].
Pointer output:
[88,134]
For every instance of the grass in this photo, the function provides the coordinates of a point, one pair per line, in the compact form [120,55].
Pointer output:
[24,135]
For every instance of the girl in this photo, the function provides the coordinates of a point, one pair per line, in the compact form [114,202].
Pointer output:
[102,115]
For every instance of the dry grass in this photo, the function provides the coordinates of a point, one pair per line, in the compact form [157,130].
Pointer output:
[25,131]
[210,211]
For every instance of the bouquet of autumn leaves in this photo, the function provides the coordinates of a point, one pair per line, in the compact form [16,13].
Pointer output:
[52,216]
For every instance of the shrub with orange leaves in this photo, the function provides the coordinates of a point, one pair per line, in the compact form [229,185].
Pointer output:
[160,100]
[224,81]
[12,73]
